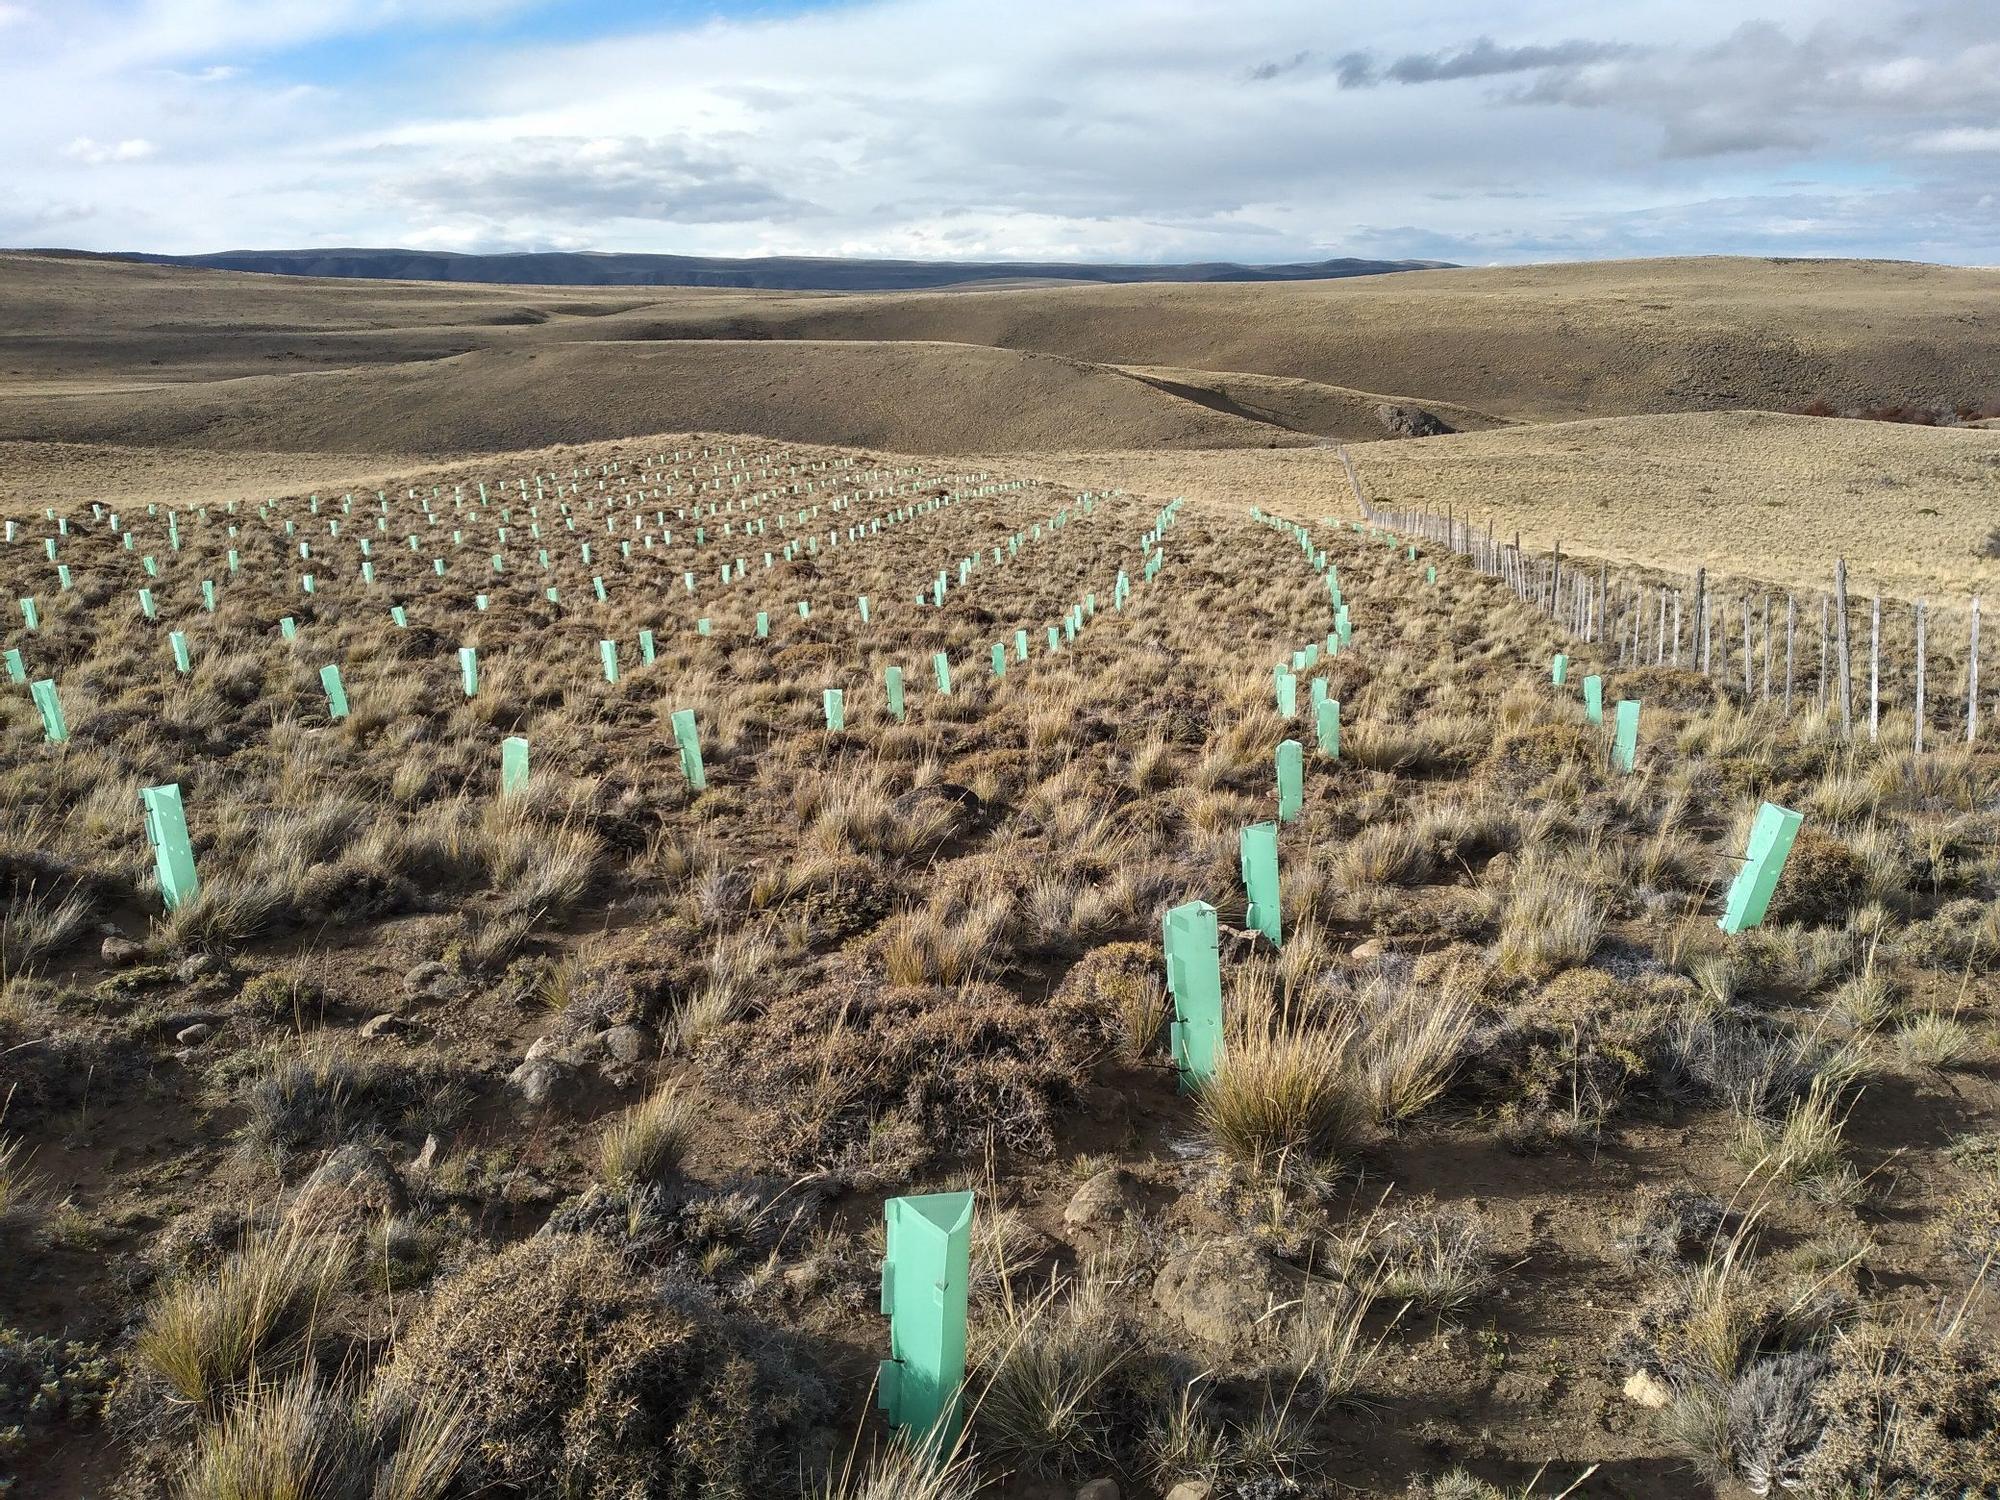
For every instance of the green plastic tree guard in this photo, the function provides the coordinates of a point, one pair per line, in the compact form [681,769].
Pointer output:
[1750,893]
[288,627]
[1559,669]
[607,653]
[173,855]
[1194,981]
[146,605]
[179,642]
[924,1280]
[1431,576]
[17,670]
[468,669]
[31,616]
[689,741]
[1593,698]
[336,693]
[1260,879]
[999,659]
[835,703]
[805,609]
[1327,722]
[1020,645]
[1288,692]
[1625,740]
[864,609]
[763,625]
[941,666]
[1291,780]
[892,682]
[400,615]
[704,626]
[55,729]
[306,583]
[513,764]
[646,648]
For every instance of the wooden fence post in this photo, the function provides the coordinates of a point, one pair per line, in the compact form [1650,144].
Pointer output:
[1846,660]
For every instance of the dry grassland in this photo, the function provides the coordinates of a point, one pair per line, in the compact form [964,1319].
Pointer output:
[451,1140]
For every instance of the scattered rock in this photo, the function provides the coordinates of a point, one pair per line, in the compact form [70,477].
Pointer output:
[121,951]
[1371,950]
[628,1043]
[191,1036]
[1644,1389]
[538,1079]
[1220,1290]
[198,966]
[355,1183]
[426,1159]
[383,1025]
[433,981]
[1192,1489]
[1099,1489]
[1402,421]
[1106,1200]
[541,1047]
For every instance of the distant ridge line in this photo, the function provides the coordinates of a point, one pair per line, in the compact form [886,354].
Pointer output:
[763,273]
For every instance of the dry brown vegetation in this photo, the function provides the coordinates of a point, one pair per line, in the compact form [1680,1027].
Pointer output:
[454,1143]
[600,1083]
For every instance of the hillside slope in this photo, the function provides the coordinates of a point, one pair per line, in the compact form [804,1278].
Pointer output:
[918,397]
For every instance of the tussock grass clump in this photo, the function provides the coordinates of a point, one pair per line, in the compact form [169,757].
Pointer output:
[1282,1088]
[226,910]
[1551,919]
[299,1439]
[1044,1403]
[1804,1149]
[35,927]
[1938,1042]
[647,1142]
[207,1336]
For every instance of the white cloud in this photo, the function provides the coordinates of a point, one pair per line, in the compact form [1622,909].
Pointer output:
[1121,129]
[96,153]
[1963,138]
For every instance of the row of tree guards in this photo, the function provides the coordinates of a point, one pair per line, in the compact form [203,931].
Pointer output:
[1750,637]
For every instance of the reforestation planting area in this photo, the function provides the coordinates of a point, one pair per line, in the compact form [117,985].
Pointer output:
[601,887]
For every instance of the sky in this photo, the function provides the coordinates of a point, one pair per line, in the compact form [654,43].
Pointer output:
[1112,130]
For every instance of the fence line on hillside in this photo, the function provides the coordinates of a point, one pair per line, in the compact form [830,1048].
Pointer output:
[1920,658]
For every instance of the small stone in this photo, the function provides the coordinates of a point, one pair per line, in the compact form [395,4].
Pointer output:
[426,1159]
[1099,1489]
[120,951]
[1109,1198]
[538,1080]
[190,1036]
[433,981]
[1220,1290]
[1644,1389]
[355,1183]
[628,1043]
[541,1047]
[1191,1489]
[1371,950]
[197,966]
[383,1025]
